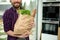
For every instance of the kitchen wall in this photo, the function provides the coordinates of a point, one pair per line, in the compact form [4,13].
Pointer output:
[3,8]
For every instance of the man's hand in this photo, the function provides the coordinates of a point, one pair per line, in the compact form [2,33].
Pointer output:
[25,34]
[22,36]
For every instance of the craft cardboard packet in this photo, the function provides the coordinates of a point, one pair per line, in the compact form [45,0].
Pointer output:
[22,24]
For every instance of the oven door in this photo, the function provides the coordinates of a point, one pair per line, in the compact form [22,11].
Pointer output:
[50,28]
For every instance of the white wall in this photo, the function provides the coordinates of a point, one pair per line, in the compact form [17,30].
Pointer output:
[1,12]
[39,19]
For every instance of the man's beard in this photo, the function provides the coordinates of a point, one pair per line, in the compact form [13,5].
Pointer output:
[17,5]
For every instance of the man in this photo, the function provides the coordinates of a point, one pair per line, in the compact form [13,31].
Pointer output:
[9,18]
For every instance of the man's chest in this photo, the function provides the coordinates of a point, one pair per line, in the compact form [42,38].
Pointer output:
[14,17]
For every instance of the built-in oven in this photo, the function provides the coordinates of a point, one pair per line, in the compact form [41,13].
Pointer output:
[50,18]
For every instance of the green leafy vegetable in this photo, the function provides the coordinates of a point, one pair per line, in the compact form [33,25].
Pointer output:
[24,12]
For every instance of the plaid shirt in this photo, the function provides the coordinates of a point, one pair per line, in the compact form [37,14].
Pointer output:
[9,18]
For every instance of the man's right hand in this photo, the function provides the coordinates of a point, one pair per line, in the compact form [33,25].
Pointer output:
[21,36]
[24,35]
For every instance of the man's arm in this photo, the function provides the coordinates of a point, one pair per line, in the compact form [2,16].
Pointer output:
[7,22]
[11,33]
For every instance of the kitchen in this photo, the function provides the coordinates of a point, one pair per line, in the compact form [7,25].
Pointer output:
[47,21]
[5,4]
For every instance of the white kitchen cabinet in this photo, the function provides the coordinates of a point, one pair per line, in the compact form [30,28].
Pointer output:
[4,2]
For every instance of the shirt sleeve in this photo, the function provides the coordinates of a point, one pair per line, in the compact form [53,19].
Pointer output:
[7,23]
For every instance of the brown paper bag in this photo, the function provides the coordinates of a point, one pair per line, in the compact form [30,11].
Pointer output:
[22,24]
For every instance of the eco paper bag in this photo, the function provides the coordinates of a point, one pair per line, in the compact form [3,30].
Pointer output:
[22,24]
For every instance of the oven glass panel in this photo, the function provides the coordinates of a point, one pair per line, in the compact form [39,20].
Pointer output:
[50,28]
[50,13]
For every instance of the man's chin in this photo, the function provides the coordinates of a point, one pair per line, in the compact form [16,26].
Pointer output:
[16,6]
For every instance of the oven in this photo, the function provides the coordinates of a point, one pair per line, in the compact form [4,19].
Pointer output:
[50,20]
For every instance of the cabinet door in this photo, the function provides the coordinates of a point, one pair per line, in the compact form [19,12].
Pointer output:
[3,0]
[58,33]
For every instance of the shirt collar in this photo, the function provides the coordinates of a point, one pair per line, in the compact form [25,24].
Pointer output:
[13,9]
